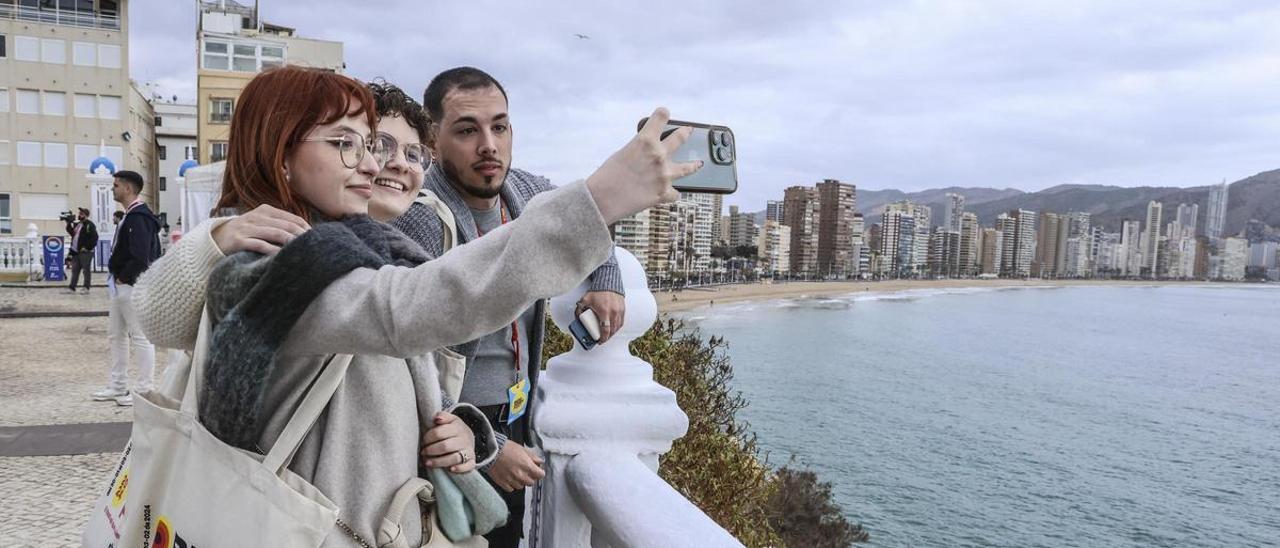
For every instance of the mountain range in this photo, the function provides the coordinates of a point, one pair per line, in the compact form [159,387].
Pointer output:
[1256,197]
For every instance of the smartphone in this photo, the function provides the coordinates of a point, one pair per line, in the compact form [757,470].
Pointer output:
[712,144]
[585,329]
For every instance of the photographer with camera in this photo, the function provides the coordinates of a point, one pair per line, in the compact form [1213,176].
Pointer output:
[84,239]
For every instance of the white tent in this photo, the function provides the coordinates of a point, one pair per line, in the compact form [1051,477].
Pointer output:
[200,190]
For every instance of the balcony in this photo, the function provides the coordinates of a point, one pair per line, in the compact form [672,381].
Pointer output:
[54,16]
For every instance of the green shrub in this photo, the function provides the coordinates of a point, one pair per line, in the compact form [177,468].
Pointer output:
[717,464]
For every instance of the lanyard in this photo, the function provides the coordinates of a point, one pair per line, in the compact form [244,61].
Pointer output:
[515,325]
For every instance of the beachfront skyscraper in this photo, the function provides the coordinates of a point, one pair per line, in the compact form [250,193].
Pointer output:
[1130,258]
[801,212]
[1216,220]
[1018,234]
[774,248]
[741,228]
[954,211]
[970,236]
[1050,237]
[992,245]
[1151,239]
[837,204]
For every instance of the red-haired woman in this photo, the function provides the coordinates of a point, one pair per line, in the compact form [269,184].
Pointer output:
[303,141]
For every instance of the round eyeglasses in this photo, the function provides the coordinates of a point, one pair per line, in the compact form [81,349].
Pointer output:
[414,154]
[352,148]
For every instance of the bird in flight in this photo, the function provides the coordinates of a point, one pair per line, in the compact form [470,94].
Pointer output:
[582,36]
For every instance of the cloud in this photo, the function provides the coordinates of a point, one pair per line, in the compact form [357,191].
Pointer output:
[906,95]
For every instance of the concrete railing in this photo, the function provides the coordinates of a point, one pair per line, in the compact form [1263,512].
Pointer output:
[603,422]
[19,257]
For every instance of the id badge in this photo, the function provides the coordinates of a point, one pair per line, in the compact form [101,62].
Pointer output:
[517,400]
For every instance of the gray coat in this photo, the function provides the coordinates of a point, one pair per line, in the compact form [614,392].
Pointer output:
[423,226]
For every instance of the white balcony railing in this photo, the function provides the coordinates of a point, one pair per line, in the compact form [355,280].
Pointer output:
[603,422]
[53,16]
[20,256]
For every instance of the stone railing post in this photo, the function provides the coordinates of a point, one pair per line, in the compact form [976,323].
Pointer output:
[603,422]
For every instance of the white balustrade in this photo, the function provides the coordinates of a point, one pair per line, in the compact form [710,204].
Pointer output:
[603,422]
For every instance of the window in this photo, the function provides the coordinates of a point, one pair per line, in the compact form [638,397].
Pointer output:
[158,121]
[109,107]
[84,54]
[53,51]
[272,56]
[45,207]
[26,48]
[55,155]
[6,217]
[3,51]
[216,56]
[4,153]
[163,152]
[217,151]
[86,106]
[28,101]
[55,103]
[29,154]
[85,155]
[220,110]
[115,154]
[108,56]
[4,99]
[245,59]
[164,184]
[190,153]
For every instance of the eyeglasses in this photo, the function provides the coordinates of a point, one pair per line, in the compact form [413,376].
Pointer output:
[352,147]
[414,153]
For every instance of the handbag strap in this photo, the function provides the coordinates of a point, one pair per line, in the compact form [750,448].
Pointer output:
[195,375]
[390,533]
[308,412]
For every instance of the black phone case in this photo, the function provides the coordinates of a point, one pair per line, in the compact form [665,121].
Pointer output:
[580,333]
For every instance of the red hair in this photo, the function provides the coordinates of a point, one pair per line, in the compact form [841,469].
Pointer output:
[273,114]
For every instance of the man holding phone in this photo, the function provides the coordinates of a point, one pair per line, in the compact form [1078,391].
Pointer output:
[471,140]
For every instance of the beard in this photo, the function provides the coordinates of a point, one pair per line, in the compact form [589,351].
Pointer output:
[485,191]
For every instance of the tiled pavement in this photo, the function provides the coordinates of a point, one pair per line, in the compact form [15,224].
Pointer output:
[48,367]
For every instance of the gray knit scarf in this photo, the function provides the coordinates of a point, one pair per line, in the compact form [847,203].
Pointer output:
[255,300]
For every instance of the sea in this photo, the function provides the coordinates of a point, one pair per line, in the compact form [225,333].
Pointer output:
[1090,416]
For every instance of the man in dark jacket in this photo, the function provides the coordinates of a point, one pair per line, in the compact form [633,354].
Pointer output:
[135,246]
[84,240]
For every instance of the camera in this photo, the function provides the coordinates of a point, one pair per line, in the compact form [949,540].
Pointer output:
[67,216]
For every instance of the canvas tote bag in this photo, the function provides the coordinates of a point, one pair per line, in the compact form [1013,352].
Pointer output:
[178,485]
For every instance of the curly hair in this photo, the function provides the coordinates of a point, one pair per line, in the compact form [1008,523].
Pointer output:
[390,100]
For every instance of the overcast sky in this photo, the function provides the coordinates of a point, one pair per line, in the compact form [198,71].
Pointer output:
[906,95]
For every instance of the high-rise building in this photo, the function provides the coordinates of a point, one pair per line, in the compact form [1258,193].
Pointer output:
[837,206]
[774,248]
[632,234]
[954,211]
[1050,230]
[741,228]
[233,46]
[720,233]
[1151,239]
[992,245]
[1077,261]
[176,139]
[1130,249]
[1018,234]
[970,242]
[861,251]
[661,257]
[897,244]
[1216,220]
[66,100]
[802,213]
[944,253]
[921,216]
[1107,262]
[1235,259]
[1186,219]
[694,225]
[773,211]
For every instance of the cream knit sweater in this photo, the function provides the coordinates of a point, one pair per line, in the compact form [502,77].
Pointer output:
[170,294]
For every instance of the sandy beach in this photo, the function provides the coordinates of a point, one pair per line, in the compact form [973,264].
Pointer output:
[689,299]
